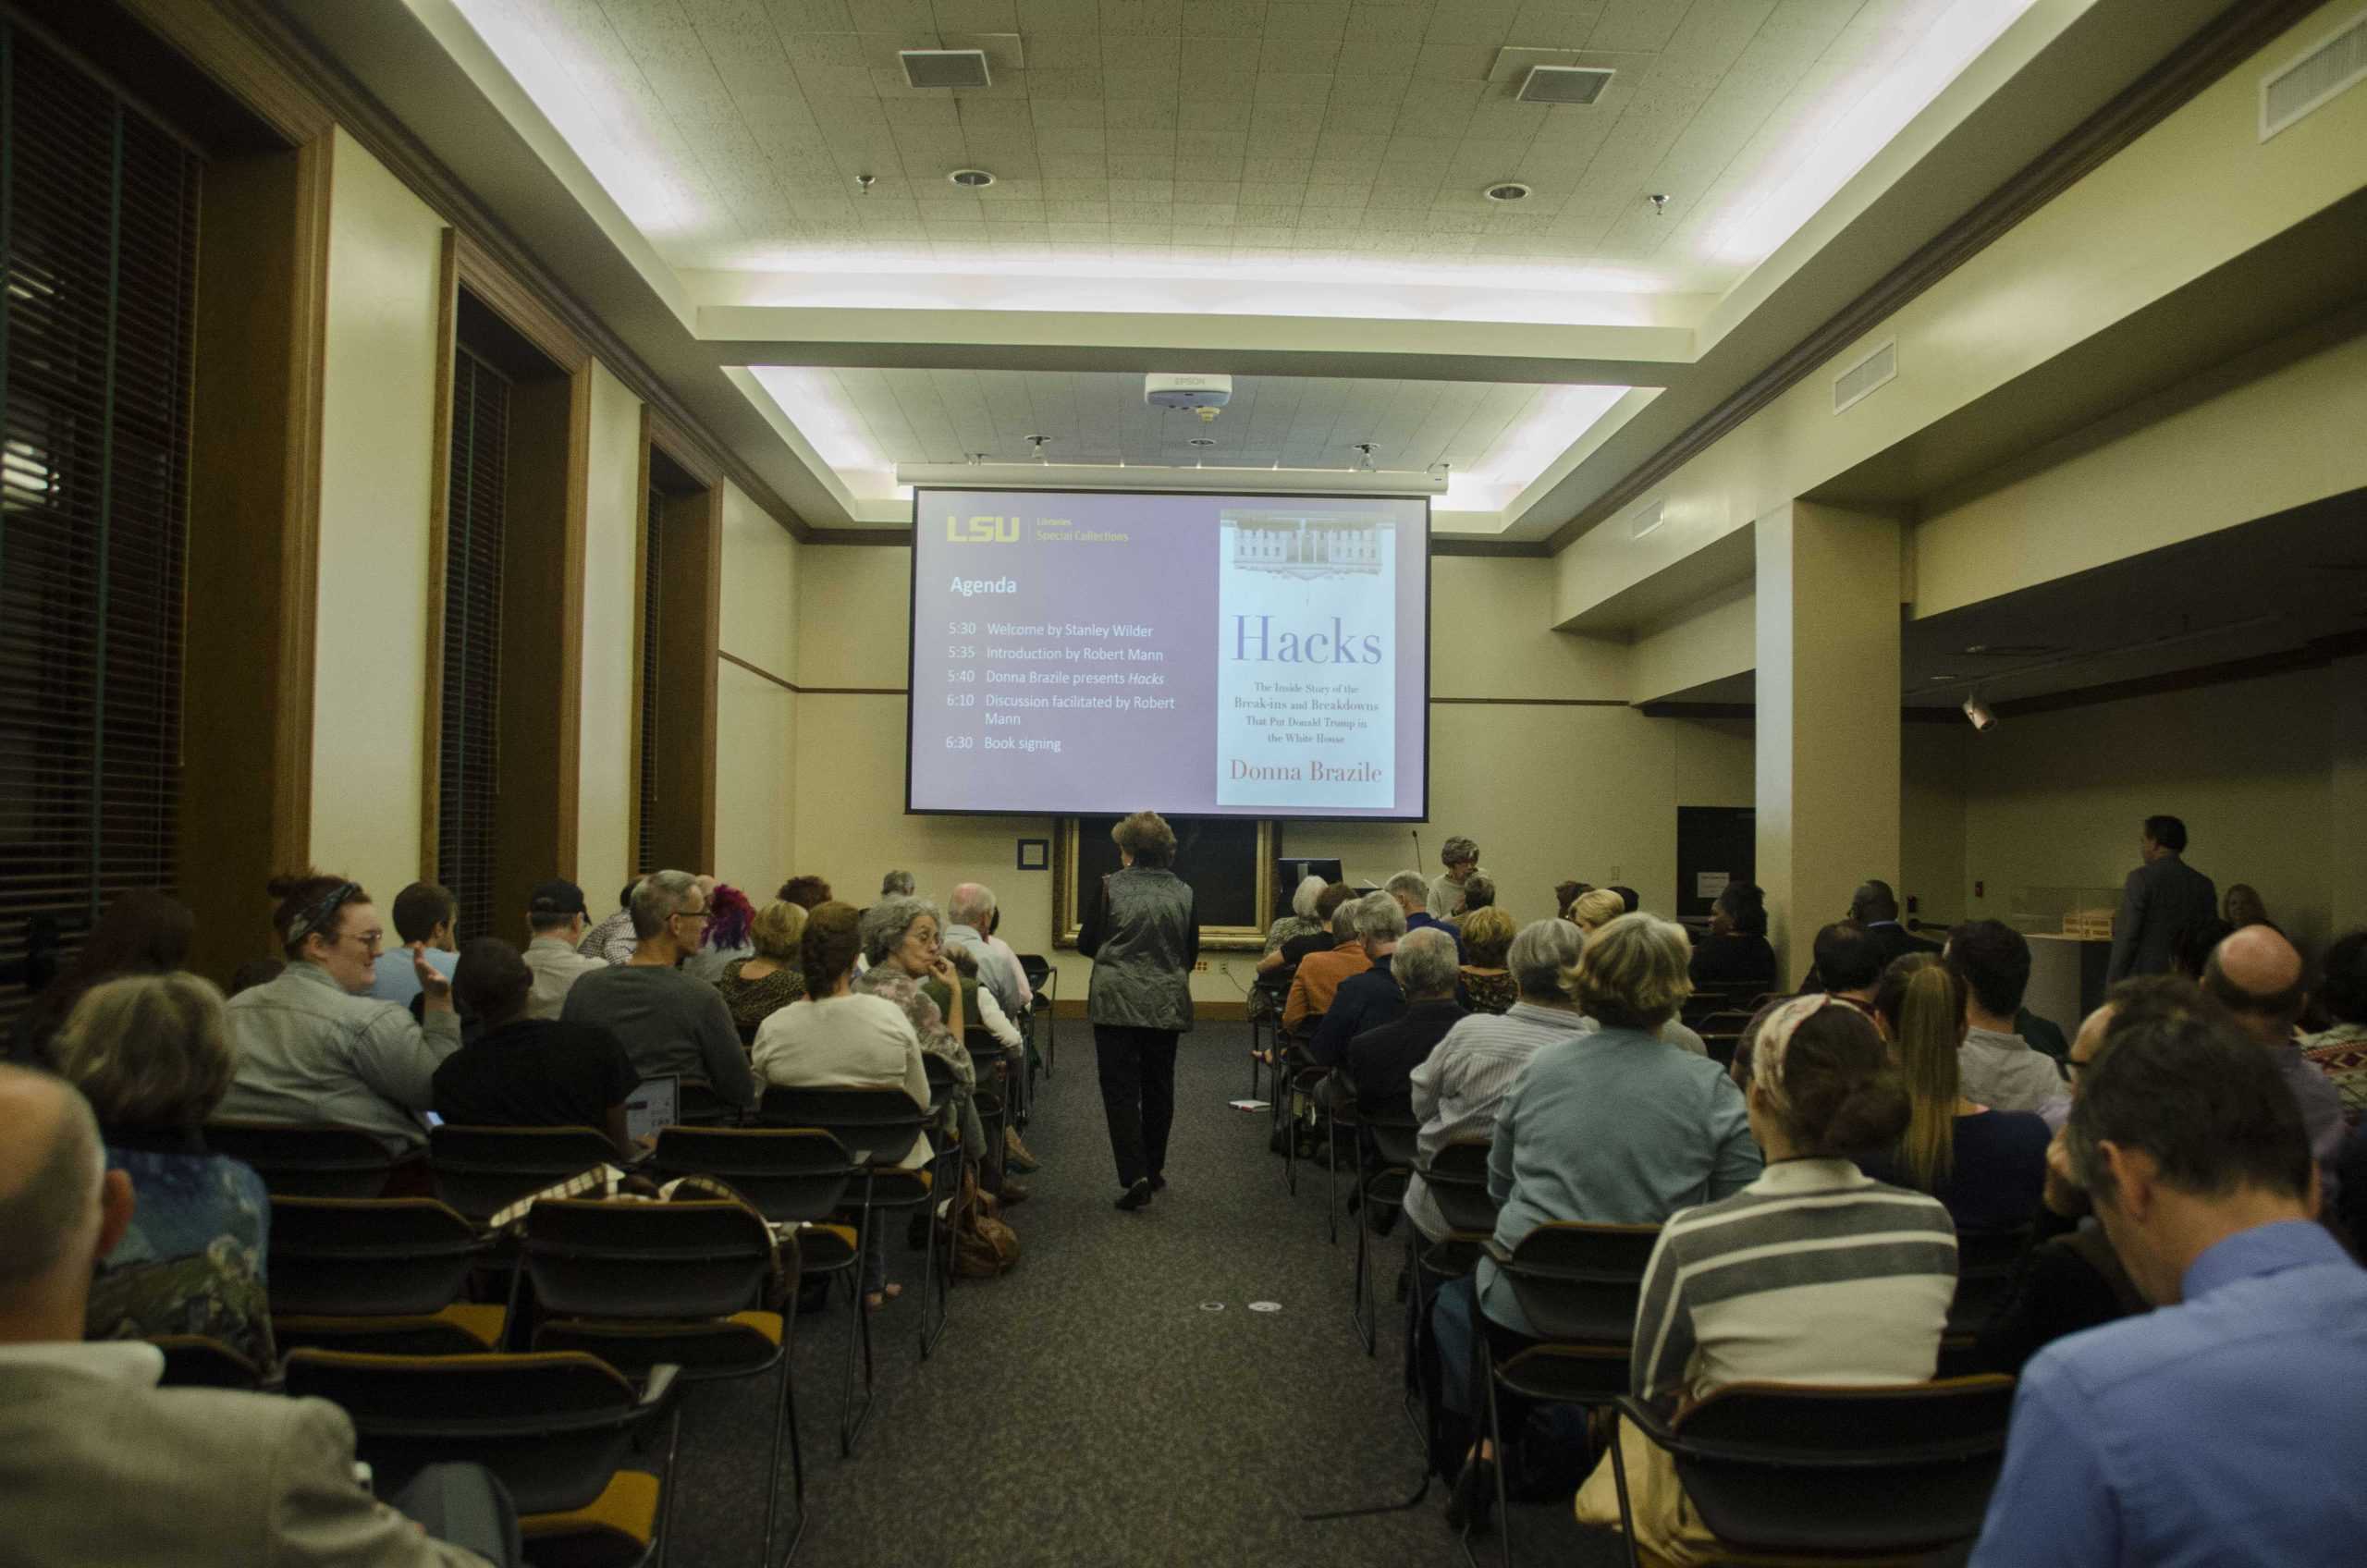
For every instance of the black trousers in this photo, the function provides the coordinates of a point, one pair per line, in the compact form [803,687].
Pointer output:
[1137,1069]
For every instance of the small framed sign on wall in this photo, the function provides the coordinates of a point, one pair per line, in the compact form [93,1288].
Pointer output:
[1034,854]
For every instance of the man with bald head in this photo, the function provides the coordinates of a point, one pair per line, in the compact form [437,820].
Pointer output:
[2257,976]
[98,1464]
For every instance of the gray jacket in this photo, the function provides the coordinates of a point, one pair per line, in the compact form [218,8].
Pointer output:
[310,1050]
[2160,900]
[1143,937]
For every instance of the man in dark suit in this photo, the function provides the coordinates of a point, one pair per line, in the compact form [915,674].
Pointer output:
[1873,909]
[2162,898]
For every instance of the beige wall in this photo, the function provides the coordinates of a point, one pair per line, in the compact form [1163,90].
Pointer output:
[606,782]
[1710,639]
[377,455]
[1930,820]
[756,719]
[2054,800]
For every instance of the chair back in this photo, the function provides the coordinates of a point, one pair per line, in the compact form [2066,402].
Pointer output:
[1730,1021]
[875,1126]
[1395,1127]
[1985,1264]
[1457,1178]
[553,1426]
[789,1173]
[482,1171]
[941,1081]
[1040,974]
[1873,1472]
[368,1257]
[320,1160]
[1579,1282]
[646,1260]
[697,1105]
[193,1361]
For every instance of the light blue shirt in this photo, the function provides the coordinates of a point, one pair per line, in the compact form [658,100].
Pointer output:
[2228,1428]
[394,980]
[1613,1128]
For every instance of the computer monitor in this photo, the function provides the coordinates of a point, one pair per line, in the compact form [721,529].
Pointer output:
[1291,871]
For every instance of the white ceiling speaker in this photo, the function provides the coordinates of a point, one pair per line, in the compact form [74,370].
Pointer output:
[1978,712]
[1564,84]
[944,67]
[1510,191]
[970,180]
[1203,395]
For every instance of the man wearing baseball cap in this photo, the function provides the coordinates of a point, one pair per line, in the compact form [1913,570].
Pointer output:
[555,918]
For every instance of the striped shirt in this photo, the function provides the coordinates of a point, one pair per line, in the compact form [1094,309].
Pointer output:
[1457,1088]
[1814,1273]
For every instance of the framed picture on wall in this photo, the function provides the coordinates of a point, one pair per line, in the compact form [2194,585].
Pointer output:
[1228,861]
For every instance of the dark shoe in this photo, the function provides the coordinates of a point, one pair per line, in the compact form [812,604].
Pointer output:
[1015,1153]
[1012,1191]
[1473,1501]
[1158,1183]
[1136,1196]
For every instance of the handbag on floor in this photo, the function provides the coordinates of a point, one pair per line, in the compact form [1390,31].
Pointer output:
[984,1247]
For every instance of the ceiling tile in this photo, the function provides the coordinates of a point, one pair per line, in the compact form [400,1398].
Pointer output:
[1225,19]
[1142,114]
[1142,16]
[977,16]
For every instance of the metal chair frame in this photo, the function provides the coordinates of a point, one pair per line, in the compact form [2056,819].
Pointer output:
[1394,1131]
[373,1274]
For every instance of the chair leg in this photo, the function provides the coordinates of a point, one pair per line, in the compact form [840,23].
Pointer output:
[852,1416]
[1332,1176]
[1362,1311]
[666,1513]
[1619,1479]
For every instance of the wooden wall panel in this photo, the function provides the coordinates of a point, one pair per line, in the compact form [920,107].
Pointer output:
[690,619]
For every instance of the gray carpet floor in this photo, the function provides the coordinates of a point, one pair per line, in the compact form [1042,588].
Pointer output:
[1095,1406]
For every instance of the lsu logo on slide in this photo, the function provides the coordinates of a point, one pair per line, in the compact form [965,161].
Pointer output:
[981,530]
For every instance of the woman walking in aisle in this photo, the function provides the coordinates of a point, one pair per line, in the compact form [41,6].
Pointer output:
[1142,936]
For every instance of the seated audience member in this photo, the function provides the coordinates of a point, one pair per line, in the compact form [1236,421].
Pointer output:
[143,932]
[255,972]
[1458,1087]
[1281,963]
[761,984]
[426,918]
[1609,1126]
[2192,947]
[2069,1279]
[2243,906]
[728,916]
[527,1072]
[1478,893]
[1848,963]
[1370,998]
[1597,908]
[1873,909]
[554,916]
[1320,973]
[1460,857]
[1265,998]
[900,937]
[668,1023]
[2044,1035]
[2256,975]
[1813,1273]
[1735,956]
[98,1464]
[807,893]
[612,940]
[1998,1067]
[1381,1060]
[1566,893]
[838,1039]
[1412,891]
[1009,959]
[1629,899]
[2187,1142]
[152,1054]
[896,885]
[969,911]
[315,1045]
[1487,984]
[1986,1166]
[2340,1050]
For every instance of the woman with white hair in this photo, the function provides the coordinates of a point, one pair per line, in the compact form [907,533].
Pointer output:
[1607,1127]
[1265,1000]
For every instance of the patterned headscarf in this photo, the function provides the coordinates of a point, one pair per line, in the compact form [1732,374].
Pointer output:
[1775,1038]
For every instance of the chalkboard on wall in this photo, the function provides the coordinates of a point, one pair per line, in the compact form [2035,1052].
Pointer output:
[1228,861]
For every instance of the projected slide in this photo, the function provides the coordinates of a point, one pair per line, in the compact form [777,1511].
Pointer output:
[1243,655]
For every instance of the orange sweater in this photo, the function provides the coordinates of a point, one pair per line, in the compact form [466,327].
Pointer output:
[1318,977]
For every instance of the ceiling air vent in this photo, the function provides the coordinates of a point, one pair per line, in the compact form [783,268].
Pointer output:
[2291,93]
[1859,380]
[944,67]
[1646,519]
[1564,84]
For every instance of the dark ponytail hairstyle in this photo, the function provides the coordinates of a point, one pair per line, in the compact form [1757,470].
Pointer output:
[1841,1096]
[1747,906]
[827,950]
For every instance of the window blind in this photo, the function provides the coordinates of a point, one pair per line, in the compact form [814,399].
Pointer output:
[98,246]
[468,756]
[652,556]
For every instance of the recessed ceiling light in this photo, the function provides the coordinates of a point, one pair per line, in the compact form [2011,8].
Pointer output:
[1202,441]
[1978,648]
[1941,678]
[1510,191]
[970,180]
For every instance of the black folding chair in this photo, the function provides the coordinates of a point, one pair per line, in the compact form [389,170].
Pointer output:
[673,1285]
[1837,1474]
[877,1127]
[1265,1029]
[555,1430]
[989,1095]
[1043,980]
[379,1275]
[1381,1185]
[697,1105]
[1986,1265]
[482,1171]
[1578,1285]
[195,1361]
[315,1160]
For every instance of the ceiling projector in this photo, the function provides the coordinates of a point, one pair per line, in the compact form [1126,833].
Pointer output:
[1204,393]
